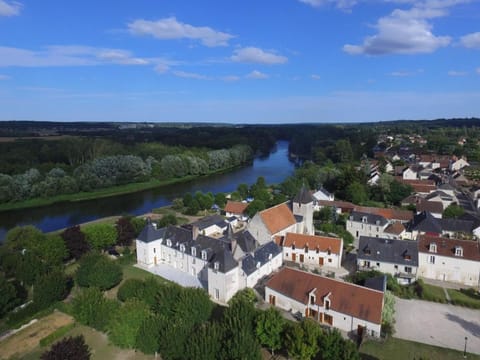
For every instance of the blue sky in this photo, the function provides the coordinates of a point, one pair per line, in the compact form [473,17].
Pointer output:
[250,61]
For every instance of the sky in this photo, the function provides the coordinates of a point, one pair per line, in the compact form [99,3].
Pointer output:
[249,61]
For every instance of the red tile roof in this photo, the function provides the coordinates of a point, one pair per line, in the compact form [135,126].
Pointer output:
[344,205]
[277,218]
[387,213]
[235,207]
[322,243]
[396,228]
[446,247]
[345,298]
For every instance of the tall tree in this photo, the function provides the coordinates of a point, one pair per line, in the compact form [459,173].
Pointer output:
[100,236]
[125,231]
[91,308]
[269,329]
[8,296]
[75,241]
[68,348]
[96,270]
[50,288]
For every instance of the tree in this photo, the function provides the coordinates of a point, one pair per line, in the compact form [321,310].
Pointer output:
[100,236]
[167,219]
[29,268]
[254,207]
[68,348]
[91,308]
[125,231]
[23,237]
[138,224]
[75,242]
[177,204]
[269,329]
[205,342]
[148,337]
[334,347]
[8,296]
[52,250]
[50,288]
[98,271]
[242,190]
[342,151]
[220,200]
[302,339]
[193,305]
[131,288]
[125,323]
[453,211]
[356,193]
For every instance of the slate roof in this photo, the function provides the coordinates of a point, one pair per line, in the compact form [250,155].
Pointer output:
[304,196]
[322,243]
[260,256]
[246,241]
[345,298]
[403,252]
[277,218]
[387,213]
[377,283]
[446,247]
[210,221]
[456,225]
[426,222]
[150,233]
[372,219]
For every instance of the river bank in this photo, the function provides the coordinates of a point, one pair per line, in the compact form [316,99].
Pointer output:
[108,192]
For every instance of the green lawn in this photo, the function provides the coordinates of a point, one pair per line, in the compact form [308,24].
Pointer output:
[99,347]
[397,349]
[433,293]
[467,298]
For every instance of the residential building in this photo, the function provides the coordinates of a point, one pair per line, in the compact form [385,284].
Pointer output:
[458,164]
[237,209]
[396,257]
[426,224]
[449,260]
[222,265]
[348,307]
[312,250]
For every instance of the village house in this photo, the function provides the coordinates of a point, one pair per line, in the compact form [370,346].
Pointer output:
[396,257]
[348,307]
[426,224]
[312,250]
[236,209]
[458,164]
[449,260]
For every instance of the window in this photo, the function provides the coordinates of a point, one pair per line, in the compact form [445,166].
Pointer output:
[329,252]
[217,294]
[293,246]
[327,304]
[408,269]
[433,248]
[154,250]
[329,260]
[378,264]
[204,255]
[396,267]
[286,254]
[431,259]
[364,219]
[169,242]
[312,299]
[216,265]
[458,251]
[306,249]
[182,248]
[193,261]
[194,251]
[366,264]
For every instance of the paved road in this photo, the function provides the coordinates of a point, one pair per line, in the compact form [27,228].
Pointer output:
[438,324]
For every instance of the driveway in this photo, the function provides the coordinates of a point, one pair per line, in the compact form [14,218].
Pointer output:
[438,324]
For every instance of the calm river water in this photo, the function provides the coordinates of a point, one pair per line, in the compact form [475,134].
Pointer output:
[275,168]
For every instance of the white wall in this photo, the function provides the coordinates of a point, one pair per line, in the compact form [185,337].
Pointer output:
[147,253]
[223,285]
[312,258]
[452,269]
[264,270]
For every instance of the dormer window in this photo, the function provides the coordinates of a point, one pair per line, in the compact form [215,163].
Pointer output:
[433,248]
[367,250]
[194,251]
[306,248]
[364,219]
[458,251]
[258,265]
[312,299]
[216,265]
[169,242]
[329,251]
[270,256]
[327,304]
[377,222]
[182,248]
[293,246]
[204,254]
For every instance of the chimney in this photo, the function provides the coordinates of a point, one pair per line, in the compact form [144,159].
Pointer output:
[195,231]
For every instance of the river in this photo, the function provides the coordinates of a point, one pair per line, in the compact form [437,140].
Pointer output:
[275,168]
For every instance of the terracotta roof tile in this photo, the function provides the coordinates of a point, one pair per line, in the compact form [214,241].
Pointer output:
[387,213]
[446,247]
[345,298]
[323,243]
[396,228]
[277,218]
[235,207]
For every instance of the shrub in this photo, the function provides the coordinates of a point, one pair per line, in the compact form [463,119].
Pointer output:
[91,308]
[50,288]
[98,271]
[68,348]
[131,288]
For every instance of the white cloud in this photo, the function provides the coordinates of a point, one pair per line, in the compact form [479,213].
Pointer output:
[406,31]
[188,75]
[255,74]
[69,55]
[457,73]
[162,68]
[10,8]
[171,28]
[471,41]
[315,77]
[230,78]
[256,55]
[401,73]
[341,4]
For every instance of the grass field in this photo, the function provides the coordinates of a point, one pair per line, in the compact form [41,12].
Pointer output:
[397,349]
[465,298]
[433,293]
[29,338]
